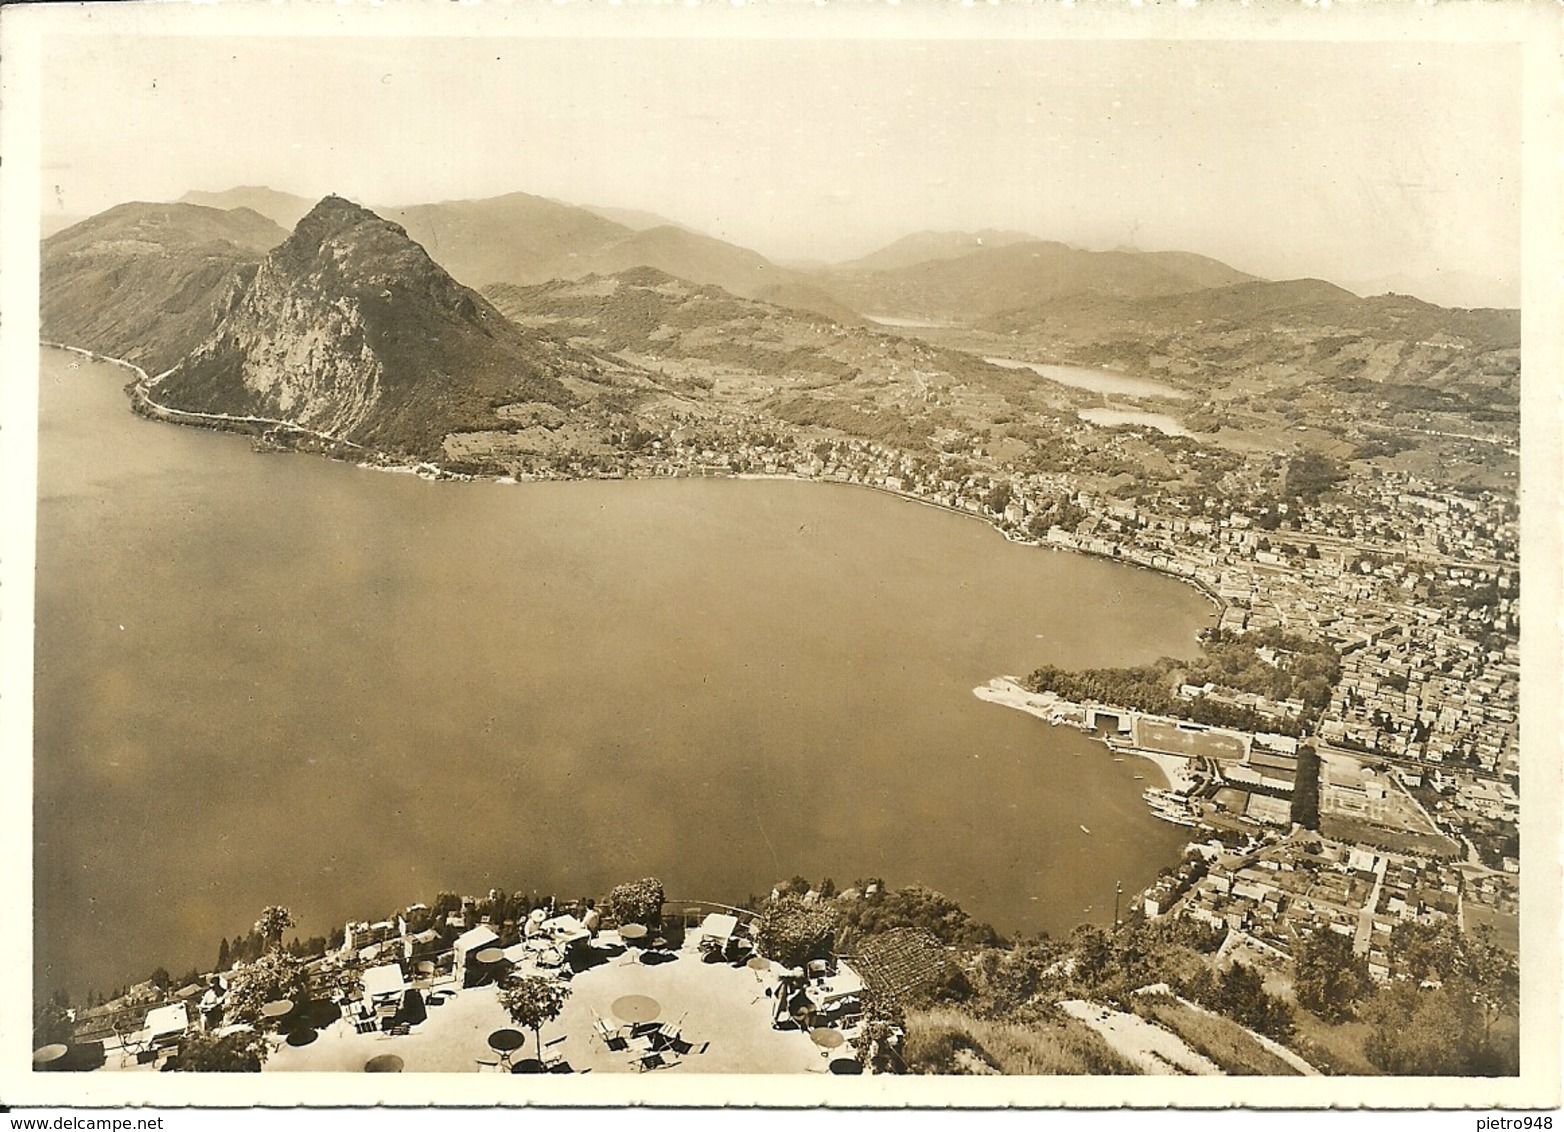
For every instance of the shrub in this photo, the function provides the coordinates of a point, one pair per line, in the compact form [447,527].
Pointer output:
[275,975]
[792,932]
[242,1052]
[637,902]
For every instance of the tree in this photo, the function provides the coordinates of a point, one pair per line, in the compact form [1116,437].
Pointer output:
[1494,976]
[242,1052]
[273,922]
[533,1001]
[275,975]
[1328,978]
[223,959]
[792,932]
[1422,1032]
[1241,995]
[160,978]
[638,902]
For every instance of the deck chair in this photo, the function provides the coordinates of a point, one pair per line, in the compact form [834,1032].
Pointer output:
[131,1045]
[657,1059]
[488,1065]
[612,1037]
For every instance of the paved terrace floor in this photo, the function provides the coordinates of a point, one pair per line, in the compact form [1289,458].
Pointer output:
[721,1010]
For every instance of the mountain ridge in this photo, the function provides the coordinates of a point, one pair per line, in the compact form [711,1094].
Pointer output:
[987,281]
[145,281]
[349,327]
[927,246]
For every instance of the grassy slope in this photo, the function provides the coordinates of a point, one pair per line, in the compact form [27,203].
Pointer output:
[1054,1047]
[1336,1048]
[1223,1041]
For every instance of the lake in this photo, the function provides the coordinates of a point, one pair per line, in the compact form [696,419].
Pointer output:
[277,679]
[1108,417]
[1094,380]
[903,323]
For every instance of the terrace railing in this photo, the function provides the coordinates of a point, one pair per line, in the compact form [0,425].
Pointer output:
[688,914]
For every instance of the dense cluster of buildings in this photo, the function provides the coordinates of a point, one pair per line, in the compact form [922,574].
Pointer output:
[1272,892]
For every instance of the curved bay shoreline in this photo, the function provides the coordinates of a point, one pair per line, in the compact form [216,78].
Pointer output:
[256,425]
[143,404]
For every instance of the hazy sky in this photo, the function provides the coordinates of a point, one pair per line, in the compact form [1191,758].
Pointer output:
[1355,162]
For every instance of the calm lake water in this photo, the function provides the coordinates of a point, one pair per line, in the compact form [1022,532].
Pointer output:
[1094,380]
[1108,417]
[277,679]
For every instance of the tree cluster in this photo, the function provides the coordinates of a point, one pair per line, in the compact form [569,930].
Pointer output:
[913,907]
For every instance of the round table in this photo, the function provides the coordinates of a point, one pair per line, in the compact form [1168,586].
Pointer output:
[489,955]
[506,1042]
[528,1065]
[632,933]
[47,1055]
[758,963]
[385,1063]
[826,1038]
[634,1008]
[846,1067]
[275,1009]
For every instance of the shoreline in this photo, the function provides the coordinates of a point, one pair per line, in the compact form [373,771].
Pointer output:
[428,470]
[1006,691]
[202,421]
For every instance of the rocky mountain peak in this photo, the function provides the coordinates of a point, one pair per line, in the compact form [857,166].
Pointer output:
[342,248]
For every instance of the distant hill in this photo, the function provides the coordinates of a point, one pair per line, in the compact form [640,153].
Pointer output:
[516,238]
[990,280]
[642,308]
[523,239]
[635,219]
[144,281]
[1257,335]
[798,293]
[643,312]
[1088,313]
[923,247]
[700,259]
[1450,289]
[349,327]
[283,209]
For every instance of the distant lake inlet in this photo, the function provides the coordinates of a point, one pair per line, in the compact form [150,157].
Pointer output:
[1094,380]
[1108,417]
[283,680]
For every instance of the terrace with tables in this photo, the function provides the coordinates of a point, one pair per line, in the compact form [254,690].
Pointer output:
[703,1003]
